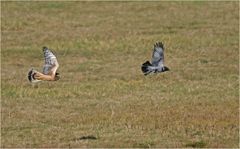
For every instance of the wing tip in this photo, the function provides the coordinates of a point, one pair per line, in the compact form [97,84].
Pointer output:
[44,48]
[159,44]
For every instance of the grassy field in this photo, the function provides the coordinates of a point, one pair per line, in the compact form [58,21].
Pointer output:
[103,93]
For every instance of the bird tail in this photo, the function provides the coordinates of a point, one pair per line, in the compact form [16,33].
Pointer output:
[145,68]
[31,77]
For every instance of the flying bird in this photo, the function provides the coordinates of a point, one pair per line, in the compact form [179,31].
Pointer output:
[157,64]
[49,69]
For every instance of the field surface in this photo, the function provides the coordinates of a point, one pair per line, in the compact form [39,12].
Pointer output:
[103,99]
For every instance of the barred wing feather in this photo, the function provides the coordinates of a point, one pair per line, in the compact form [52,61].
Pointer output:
[50,60]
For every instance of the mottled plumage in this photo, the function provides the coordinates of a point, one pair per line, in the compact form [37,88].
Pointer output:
[50,60]
[49,68]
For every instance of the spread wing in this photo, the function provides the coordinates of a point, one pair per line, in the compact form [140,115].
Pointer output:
[158,56]
[50,60]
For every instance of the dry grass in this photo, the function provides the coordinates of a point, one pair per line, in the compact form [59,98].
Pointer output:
[102,93]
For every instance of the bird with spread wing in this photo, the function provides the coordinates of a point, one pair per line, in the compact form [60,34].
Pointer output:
[157,64]
[49,69]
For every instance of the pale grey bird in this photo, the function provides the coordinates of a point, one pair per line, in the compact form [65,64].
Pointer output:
[157,64]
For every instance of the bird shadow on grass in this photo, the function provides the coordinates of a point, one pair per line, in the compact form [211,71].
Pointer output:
[88,137]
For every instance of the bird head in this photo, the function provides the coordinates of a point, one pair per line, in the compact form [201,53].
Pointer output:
[57,76]
[165,69]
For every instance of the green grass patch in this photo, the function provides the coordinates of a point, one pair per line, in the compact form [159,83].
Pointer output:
[197,144]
